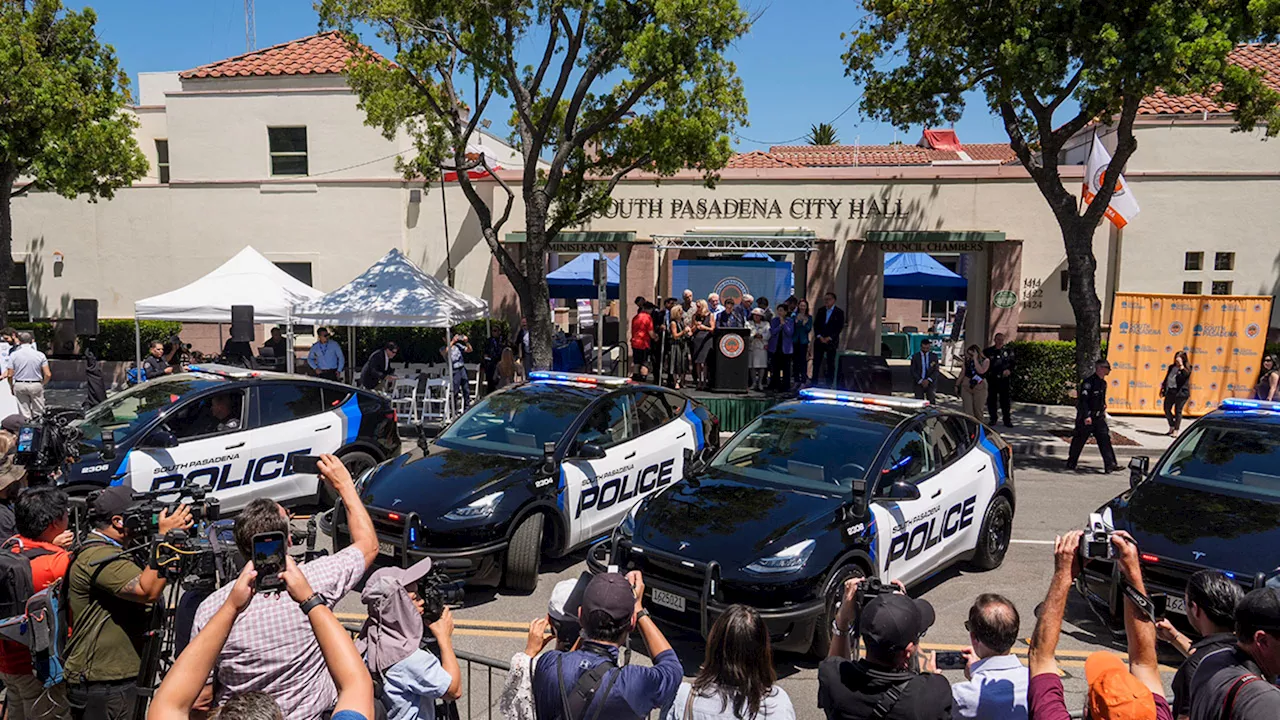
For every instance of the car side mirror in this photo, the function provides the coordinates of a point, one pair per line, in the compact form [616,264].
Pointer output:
[900,491]
[1138,470]
[857,501]
[548,466]
[590,451]
[695,463]
[108,445]
[160,438]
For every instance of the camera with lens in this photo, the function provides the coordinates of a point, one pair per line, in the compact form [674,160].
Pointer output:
[45,447]
[143,516]
[871,588]
[438,591]
[1096,543]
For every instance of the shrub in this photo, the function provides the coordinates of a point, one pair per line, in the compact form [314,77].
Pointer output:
[42,331]
[418,345]
[1044,371]
[116,341]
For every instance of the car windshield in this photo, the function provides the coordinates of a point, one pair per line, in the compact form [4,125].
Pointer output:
[825,454]
[519,421]
[1239,456]
[126,413]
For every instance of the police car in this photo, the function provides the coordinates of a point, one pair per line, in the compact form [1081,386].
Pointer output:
[1211,501]
[543,467]
[813,492]
[233,430]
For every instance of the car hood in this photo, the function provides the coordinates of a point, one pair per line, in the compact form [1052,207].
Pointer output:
[435,482]
[1240,533]
[731,520]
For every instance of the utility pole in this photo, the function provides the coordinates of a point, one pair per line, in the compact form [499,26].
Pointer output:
[250,27]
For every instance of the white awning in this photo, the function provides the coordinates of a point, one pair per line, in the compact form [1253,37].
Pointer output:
[246,279]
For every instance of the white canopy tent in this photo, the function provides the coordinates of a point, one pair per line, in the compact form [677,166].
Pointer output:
[246,279]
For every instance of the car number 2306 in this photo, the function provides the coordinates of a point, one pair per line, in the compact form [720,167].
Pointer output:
[667,600]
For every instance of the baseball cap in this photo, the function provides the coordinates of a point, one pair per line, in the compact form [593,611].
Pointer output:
[10,472]
[1114,693]
[1259,610]
[385,581]
[611,594]
[112,501]
[894,621]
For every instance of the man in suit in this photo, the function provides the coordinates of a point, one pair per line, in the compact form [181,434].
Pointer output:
[827,324]
[924,373]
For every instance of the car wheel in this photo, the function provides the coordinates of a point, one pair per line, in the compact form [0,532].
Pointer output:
[524,555]
[356,463]
[993,539]
[832,601]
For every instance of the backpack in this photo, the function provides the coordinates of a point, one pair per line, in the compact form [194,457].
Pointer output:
[35,619]
[16,583]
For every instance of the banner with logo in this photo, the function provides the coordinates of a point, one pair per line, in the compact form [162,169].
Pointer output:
[732,279]
[1223,335]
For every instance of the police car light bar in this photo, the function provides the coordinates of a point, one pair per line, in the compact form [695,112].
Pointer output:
[1243,404]
[607,380]
[862,398]
[227,371]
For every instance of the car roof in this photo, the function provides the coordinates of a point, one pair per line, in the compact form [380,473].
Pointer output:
[832,410]
[215,373]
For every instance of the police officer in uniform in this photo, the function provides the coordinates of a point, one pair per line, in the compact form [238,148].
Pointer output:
[1000,376]
[1091,417]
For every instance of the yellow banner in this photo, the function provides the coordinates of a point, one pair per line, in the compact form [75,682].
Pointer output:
[1223,335]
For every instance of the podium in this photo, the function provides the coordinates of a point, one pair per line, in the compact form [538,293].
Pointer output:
[728,366]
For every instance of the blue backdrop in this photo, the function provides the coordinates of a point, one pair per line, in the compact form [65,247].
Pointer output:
[732,278]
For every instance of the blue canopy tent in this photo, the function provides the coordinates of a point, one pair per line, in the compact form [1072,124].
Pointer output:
[917,276]
[575,280]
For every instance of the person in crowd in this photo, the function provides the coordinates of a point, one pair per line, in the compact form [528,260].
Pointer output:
[154,365]
[642,337]
[492,355]
[391,638]
[1240,684]
[270,649]
[763,304]
[278,343]
[678,335]
[890,627]
[8,402]
[12,479]
[1114,690]
[827,326]
[1210,599]
[686,301]
[973,382]
[30,375]
[182,686]
[782,330]
[109,600]
[612,606]
[731,317]
[1268,379]
[377,368]
[1000,378]
[43,516]
[516,701]
[455,354]
[995,686]
[1091,418]
[737,680]
[714,306]
[702,325]
[1176,390]
[325,358]
[746,306]
[804,326]
[663,345]
[237,352]
[522,346]
[222,415]
[757,352]
[505,373]
[924,372]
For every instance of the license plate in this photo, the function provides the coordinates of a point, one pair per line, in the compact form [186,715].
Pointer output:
[667,600]
[386,548]
[1175,604]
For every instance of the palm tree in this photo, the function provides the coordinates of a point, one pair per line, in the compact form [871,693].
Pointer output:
[822,134]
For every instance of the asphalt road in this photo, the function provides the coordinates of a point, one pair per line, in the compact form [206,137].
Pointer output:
[1050,502]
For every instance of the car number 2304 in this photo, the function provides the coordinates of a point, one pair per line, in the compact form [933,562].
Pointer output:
[667,600]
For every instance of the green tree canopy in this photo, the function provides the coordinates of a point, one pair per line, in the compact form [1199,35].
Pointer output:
[618,85]
[1048,68]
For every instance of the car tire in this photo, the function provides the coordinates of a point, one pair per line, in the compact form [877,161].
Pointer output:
[993,539]
[833,597]
[524,556]
[356,463]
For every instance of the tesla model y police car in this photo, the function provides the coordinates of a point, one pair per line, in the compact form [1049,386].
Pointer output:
[233,430]
[549,465]
[1212,501]
[813,492]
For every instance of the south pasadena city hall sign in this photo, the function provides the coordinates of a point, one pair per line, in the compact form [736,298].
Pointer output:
[754,209]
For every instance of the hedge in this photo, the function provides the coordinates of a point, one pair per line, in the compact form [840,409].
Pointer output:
[115,339]
[43,332]
[417,345]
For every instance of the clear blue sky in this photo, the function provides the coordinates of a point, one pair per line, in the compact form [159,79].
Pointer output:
[789,63]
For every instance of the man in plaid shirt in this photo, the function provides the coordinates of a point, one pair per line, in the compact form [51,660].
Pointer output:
[272,648]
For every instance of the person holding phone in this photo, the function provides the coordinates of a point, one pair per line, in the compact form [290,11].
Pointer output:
[995,685]
[973,382]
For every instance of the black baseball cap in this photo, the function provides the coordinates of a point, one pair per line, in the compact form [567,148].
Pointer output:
[611,594]
[111,502]
[894,621]
[1259,610]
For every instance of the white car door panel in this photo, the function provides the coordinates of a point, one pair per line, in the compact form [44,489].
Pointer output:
[292,420]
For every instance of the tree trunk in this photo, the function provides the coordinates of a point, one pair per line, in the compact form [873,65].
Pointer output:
[535,302]
[1082,269]
[7,179]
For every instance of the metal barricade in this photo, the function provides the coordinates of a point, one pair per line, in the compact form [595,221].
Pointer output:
[479,691]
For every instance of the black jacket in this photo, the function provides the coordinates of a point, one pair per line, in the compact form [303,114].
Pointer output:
[824,328]
[1001,360]
[850,690]
[1091,400]
[1182,383]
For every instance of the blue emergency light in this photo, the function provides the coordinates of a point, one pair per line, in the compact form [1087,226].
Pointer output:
[836,396]
[1243,404]
[576,378]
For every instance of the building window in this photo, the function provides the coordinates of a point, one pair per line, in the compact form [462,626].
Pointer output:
[1222,287]
[1194,261]
[19,309]
[162,161]
[1224,261]
[300,271]
[288,150]
[1191,287]
[1064,278]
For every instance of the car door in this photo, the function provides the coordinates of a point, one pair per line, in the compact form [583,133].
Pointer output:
[595,487]
[974,474]
[212,451]
[664,437]
[292,419]
[904,523]
[955,480]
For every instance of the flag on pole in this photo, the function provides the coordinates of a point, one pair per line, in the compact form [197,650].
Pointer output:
[1124,206]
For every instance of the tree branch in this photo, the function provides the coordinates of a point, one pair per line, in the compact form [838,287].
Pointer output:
[22,191]
[572,49]
[582,215]
[547,56]
[1072,84]
[1126,144]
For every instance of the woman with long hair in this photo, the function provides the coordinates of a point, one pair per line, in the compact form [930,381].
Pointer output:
[973,382]
[804,325]
[1268,378]
[1175,390]
[737,680]
[679,334]
[702,324]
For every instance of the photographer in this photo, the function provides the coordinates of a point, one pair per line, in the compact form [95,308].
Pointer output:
[1211,599]
[271,648]
[881,684]
[109,597]
[458,365]
[391,638]
[177,694]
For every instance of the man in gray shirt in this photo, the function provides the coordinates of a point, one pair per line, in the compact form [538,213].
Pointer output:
[30,373]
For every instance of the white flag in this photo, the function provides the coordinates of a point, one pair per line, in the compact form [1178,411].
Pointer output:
[1124,206]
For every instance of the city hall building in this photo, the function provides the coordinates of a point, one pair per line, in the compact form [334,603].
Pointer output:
[270,150]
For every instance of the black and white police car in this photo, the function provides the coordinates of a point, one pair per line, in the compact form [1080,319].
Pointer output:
[232,430]
[543,467]
[1212,501]
[815,491]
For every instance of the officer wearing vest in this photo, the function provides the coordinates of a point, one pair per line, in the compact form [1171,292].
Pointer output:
[1091,417]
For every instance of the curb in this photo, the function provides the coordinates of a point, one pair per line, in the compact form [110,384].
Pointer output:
[1058,450]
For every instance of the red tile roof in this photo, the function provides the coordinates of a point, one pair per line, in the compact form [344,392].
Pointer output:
[323,54]
[759,159]
[1264,56]
[850,155]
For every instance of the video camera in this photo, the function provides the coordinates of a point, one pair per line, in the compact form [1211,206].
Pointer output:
[438,591]
[143,516]
[869,589]
[47,446]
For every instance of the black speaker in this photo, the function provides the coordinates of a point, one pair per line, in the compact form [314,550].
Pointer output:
[86,316]
[242,323]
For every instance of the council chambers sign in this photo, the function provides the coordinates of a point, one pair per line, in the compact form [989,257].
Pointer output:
[813,208]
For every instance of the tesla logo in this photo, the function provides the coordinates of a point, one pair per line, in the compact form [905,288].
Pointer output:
[683,545]
[1197,554]
[395,502]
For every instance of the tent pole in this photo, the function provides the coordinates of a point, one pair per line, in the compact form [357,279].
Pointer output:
[351,352]
[488,333]
[448,369]
[288,339]
[137,344]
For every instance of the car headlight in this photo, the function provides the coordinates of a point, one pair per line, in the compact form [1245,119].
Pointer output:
[481,508]
[787,561]
[627,528]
